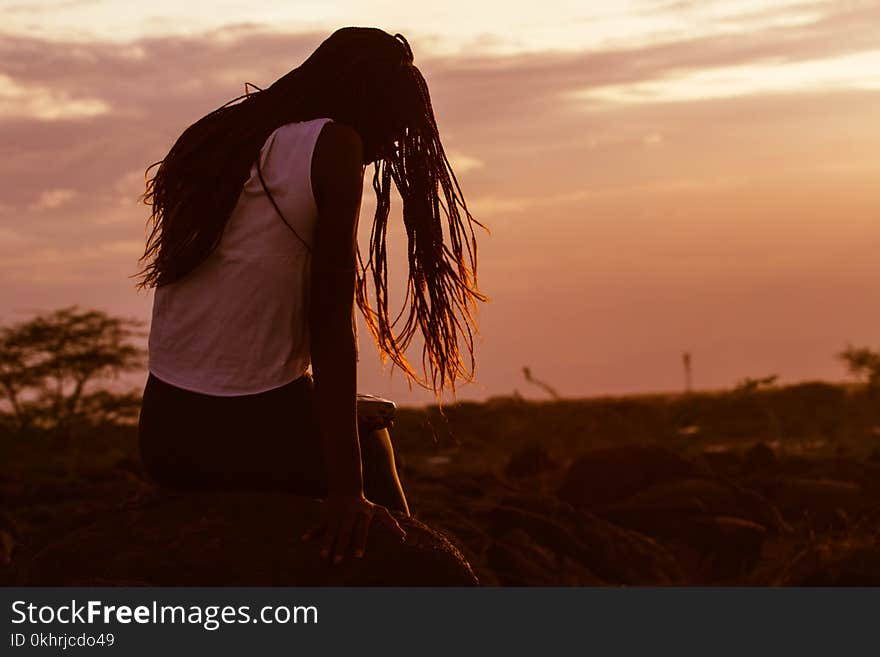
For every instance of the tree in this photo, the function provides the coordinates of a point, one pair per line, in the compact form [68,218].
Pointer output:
[748,384]
[50,364]
[862,363]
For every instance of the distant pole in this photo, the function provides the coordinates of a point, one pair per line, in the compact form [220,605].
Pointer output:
[686,359]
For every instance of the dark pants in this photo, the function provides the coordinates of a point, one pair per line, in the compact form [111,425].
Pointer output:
[268,440]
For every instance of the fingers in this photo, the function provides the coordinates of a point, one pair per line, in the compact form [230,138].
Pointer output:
[329,538]
[388,520]
[343,537]
[350,530]
[314,531]
[362,528]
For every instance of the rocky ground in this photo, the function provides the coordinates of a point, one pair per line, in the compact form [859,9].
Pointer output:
[645,515]
[623,492]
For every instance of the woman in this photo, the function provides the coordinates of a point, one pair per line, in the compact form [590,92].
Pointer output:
[253,253]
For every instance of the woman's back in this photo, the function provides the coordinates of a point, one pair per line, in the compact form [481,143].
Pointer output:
[238,323]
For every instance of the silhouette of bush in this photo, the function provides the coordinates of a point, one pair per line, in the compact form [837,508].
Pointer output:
[863,363]
[51,366]
[749,384]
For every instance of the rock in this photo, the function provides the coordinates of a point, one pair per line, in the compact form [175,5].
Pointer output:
[695,496]
[760,459]
[713,525]
[529,461]
[864,473]
[724,462]
[731,547]
[7,545]
[798,498]
[7,549]
[868,524]
[722,526]
[656,507]
[609,553]
[518,560]
[230,538]
[604,476]
[833,564]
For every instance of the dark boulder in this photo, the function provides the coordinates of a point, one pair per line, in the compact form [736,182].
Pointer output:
[656,507]
[722,527]
[530,461]
[760,459]
[863,473]
[604,476]
[517,559]
[710,523]
[601,550]
[725,462]
[799,498]
[728,547]
[233,539]
[834,564]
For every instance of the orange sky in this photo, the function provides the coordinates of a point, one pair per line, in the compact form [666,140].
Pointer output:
[658,177]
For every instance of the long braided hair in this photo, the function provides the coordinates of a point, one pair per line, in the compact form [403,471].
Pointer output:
[363,77]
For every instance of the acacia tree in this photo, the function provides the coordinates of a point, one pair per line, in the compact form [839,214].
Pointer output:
[863,363]
[50,365]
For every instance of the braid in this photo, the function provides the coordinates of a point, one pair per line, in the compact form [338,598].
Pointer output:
[365,78]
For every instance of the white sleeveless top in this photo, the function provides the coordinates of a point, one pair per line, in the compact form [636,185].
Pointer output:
[238,323]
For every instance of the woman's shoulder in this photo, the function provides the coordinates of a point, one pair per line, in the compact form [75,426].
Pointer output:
[322,135]
[298,129]
[339,139]
[338,151]
[337,164]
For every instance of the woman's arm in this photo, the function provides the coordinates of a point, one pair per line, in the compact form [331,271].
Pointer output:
[337,181]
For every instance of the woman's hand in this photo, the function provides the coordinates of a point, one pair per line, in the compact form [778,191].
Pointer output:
[347,522]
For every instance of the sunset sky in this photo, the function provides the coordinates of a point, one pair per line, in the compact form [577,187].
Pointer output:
[658,176]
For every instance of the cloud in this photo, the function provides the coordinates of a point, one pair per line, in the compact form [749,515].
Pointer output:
[505,206]
[183,76]
[42,262]
[510,119]
[13,238]
[515,134]
[52,199]
[35,8]
[462,163]
[18,100]
[856,71]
